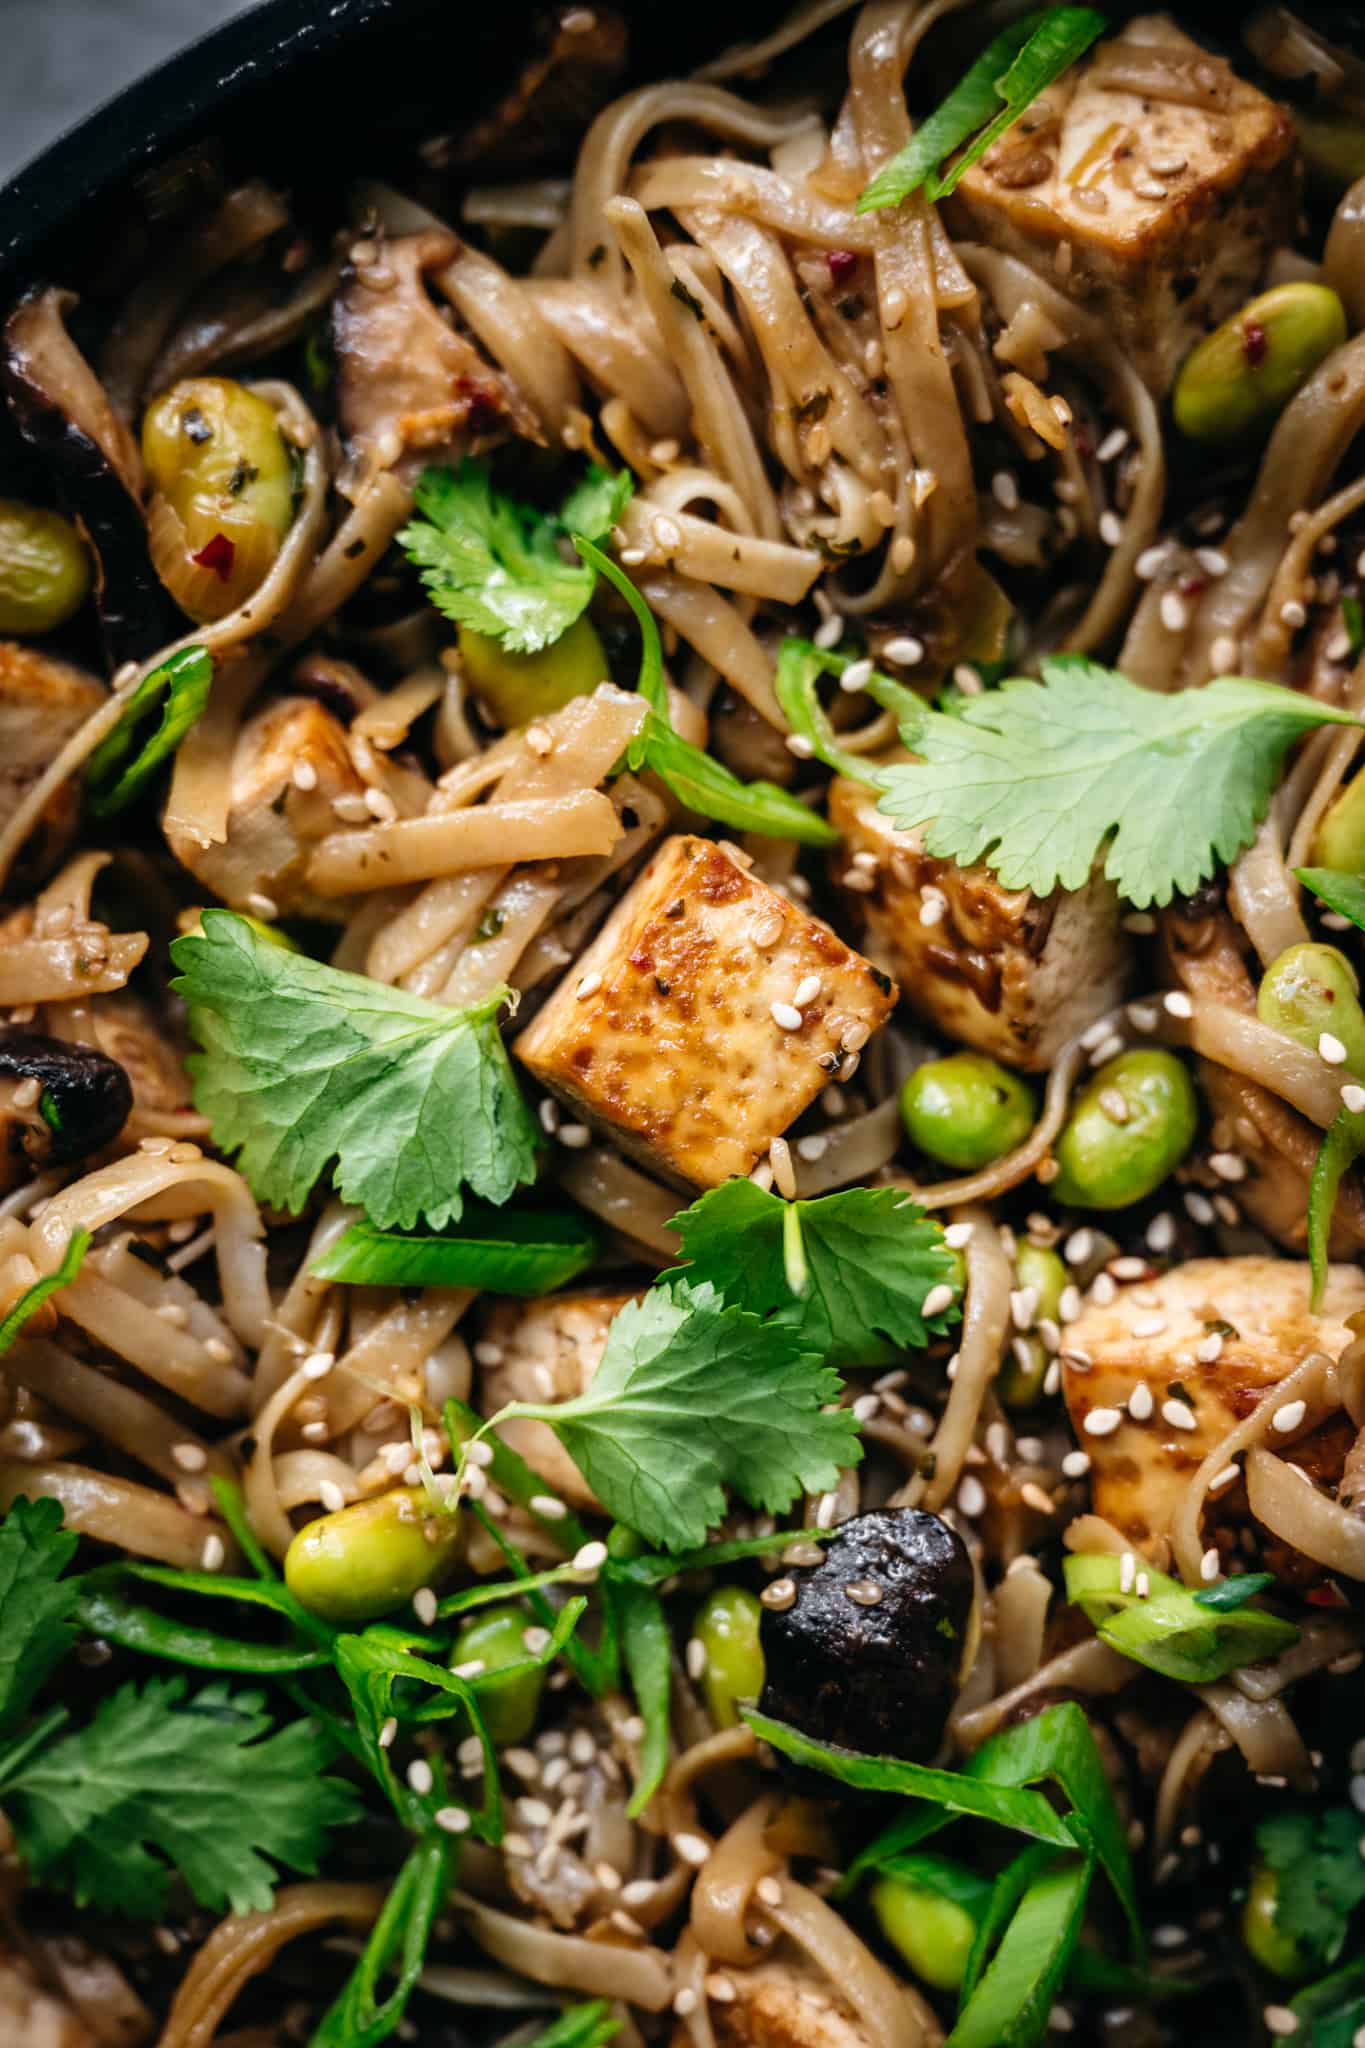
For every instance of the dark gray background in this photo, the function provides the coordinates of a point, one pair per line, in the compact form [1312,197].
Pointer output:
[60,58]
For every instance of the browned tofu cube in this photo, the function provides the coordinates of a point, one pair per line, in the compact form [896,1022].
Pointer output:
[289,766]
[544,1351]
[1006,972]
[1150,1336]
[678,1032]
[787,2004]
[1150,183]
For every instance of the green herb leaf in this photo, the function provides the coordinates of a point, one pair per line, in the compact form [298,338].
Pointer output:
[112,778]
[511,1474]
[398,1939]
[303,1065]
[37,1604]
[1340,891]
[1230,1594]
[29,1302]
[1006,78]
[494,565]
[647,1651]
[1035,778]
[1334,2009]
[1341,1146]
[584,2026]
[156,1782]
[1172,1630]
[695,777]
[691,1398]
[506,1251]
[800,665]
[1009,2008]
[1353,618]
[848,1273]
[1316,1855]
[388,1679]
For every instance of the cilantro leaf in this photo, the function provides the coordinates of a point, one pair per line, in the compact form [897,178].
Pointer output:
[692,1397]
[303,1065]
[1034,778]
[493,564]
[848,1273]
[1316,1855]
[37,1604]
[1006,78]
[112,778]
[32,1299]
[157,1782]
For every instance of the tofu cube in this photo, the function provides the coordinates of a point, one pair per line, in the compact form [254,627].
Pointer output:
[549,1351]
[1148,1337]
[786,2003]
[686,1046]
[1150,184]
[1006,972]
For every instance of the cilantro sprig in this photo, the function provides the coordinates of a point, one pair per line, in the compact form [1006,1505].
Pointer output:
[1038,779]
[303,1065]
[1006,78]
[495,565]
[1316,1855]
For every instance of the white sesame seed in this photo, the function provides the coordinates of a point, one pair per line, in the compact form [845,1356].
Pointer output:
[905,651]
[1177,1004]
[932,910]
[330,1496]
[1141,1403]
[1033,1496]
[424,1605]
[1210,1565]
[1023,1307]
[213,1555]
[1293,614]
[1142,1017]
[1107,1050]
[685,2002]
[958,1236]
[1111,529]
[806,992]
[798,744]
[189,1457]
[1149,1326]
[1356,1790]
[1005,490]
[1127,1571]
[303,775]
[1280,2020]
[1161,1232]
[1178,1414]
[577,1137]
[1104,1289]
[785,1016]
[452,1819]
[389,1730]
[1142,1586]
[317,1365]
[769,1891]
[1289,1416]
[857,675]
[1331,1049]
[1175,614]
[1198,1207]
[1212,561]
[1223,655]
[1225,1478]
[971,1496]
[1152,561]
[1229,1166]
[866,1406]
[696,1660]
[938,1299]
[813,1147]
[1070,1305]
[1102,1421]
[588,986]
[1076,1464]
[720,1988]
[419,1776]
[262,906]
[473,1667]
[590,1558]
[830,632]
[1209,1348]
[548,1112]
[1078,1247]
[1353,1098]
[693,1849]
[1113,444]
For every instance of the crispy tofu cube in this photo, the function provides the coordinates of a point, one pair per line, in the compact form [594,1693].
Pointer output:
[785,2005]
[685,1046]
[1148,1337]
[1001,970]
[42,701]
[1150,183]
[273,824]
[550,1351]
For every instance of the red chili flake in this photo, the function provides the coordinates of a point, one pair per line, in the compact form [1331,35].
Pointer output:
[1255,342]
[644,961]
[1193,586]
[483,414]
[1082,444]
[842,264]
[1325,1596]
[218,554]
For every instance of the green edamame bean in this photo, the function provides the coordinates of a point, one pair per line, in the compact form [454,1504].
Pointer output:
[1265,1940]
[44,568]
[966,1111]
[1021,1377]
[1041,1269]
[224,485]
[933,1934]
[495,1638]
[372,1556]
[1312,989]
[1243,375]
[1129,1127]
[520,687]
[727,1627]
[1339,841]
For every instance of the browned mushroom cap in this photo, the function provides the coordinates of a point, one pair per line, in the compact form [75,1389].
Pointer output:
[63,410]
[59,1102]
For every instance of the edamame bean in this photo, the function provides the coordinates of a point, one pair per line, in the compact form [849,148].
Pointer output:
[727,1627]
[1021,1378]
[495,1638]
[44,568]
[1266,1941]
[934,1935]
[966,1111]
[1129,1127]
[519,687]
[372,1556]
[1243,375]
[1339,841]
[1311,990]
[224,488]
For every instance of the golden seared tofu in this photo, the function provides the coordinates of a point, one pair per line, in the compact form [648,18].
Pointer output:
[707,1015]
[1006,972]
[290,765]
[1150,183]
[1175,1365]
[544,1351]
[42,701]
[785,2005]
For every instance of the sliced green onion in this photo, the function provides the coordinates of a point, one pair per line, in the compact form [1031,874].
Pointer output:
[1010,2005]
[29,1303]
[502,1251]
[647,1652]
[800,665]
[123,761]
[1230,1594]
[1169,1630]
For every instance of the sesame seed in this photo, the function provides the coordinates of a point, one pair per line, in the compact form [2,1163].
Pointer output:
[1353,1098]
[1070,1304]
[1127,1571]
[189,1457]
[938,1299]
[1161,1232]
[865,1592]
[905,651]
[1109,1049]
[389,1730]
[1104,1289]
[1331,1049]
[590,1558]
[806,992]
[685,2002]
[1111,529]
[1113,444]
[588,986]
[1149,188]
[1005,490]
[1076,1464]
[1289,1417]
[1209,1348]
[330,1496]
[1142,1017]
[971,1496]
[785,1016]
[479,1454]
[693,1849]
[779,1594]
[1149,1326]
[1225,1478]
[452,1819]
[1293,614]
[1198,1207]
[1141,1403]
[798,744]
[213,1554]
[304,775]
[1102,1421]
[1210,1565]
[548,1112]
[829,633]
[1142,1586]
[1152,561]
[1033,1496]
[769,1891]
[473,1667]
[1177,1004]
[1023,1307]
[262,906]
[1175,615]
[1178,1414]
[317,1365]
[1078,1247]
[696,1660]
[487,1353]
[857,675]
[1280,2020]
[577,1137]
[932,909]
[1356,1790]
[720,1988]
[1223,655]
[419,1776]
[958,1236]
[854,1037]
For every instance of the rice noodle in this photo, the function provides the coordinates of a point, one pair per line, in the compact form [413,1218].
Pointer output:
[1201,1739]
[892,2013]
[570,1962]
[246,1944]
[1264,1732]
[985,1324]
[1292,1507]
[119,1512]
[724,1890]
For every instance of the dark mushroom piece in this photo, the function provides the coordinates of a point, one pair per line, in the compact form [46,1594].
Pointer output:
[62,409]
[59,1102]
[871,1652]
